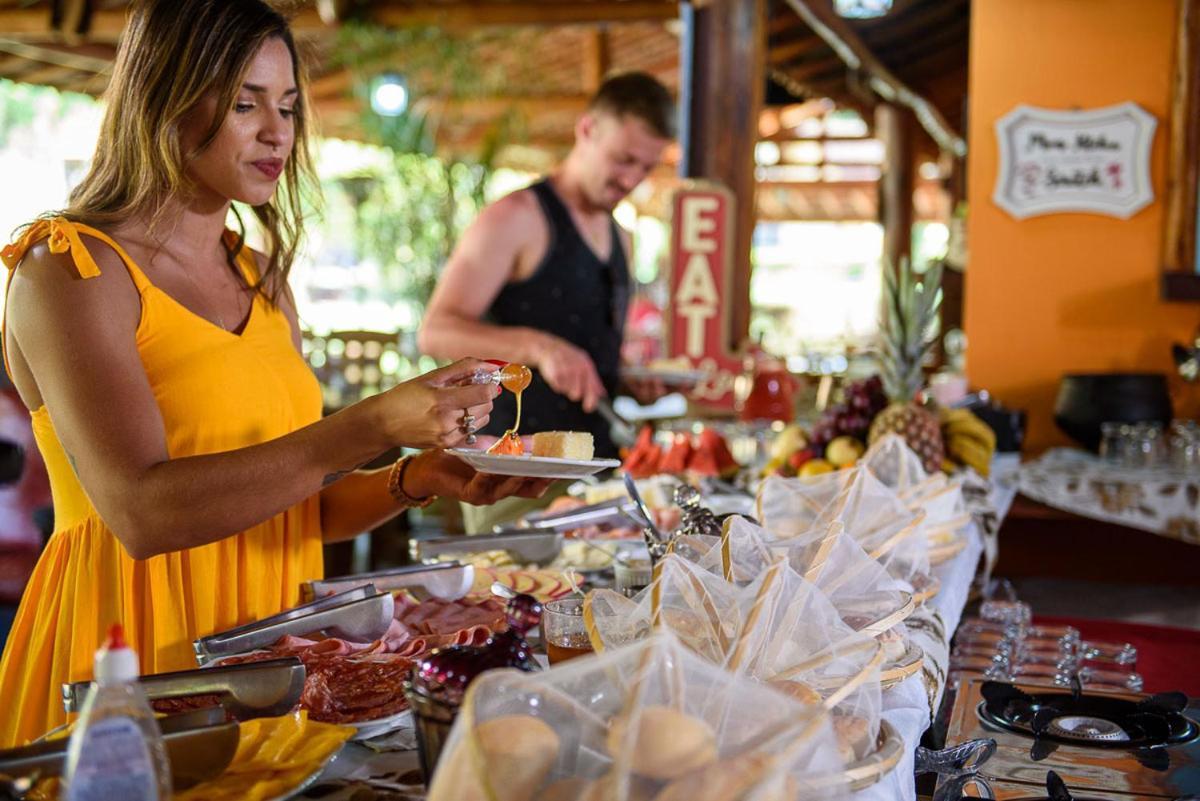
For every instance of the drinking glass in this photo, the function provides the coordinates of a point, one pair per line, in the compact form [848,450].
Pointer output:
[563,630]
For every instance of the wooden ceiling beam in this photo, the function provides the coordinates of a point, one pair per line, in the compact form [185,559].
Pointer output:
[476,106]
[784,52]
[23,23]
[949,37]
[471,13]
[878,77]
[58,56]
[596,58]
[107,24]
[935,65]
[783,21]
[812,69]
[916,24]
[49,75]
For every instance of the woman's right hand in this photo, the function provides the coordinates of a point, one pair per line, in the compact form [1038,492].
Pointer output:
[428,411]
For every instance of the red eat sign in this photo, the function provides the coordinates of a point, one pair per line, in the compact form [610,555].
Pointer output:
[698,309]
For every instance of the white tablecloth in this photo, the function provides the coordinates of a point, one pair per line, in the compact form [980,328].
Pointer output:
[1163,502]
[910,705]
[907,705]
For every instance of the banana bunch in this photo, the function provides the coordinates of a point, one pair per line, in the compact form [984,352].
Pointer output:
[969,440]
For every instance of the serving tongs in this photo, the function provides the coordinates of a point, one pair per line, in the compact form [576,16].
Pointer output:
[196,753]
[657,543]
[616,512]
[362,614]
[447,581]
[251,690]
[540,546]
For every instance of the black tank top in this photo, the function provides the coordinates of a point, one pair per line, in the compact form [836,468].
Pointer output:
[574,296]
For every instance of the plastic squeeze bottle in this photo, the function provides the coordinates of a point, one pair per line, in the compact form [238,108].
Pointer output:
[116,750]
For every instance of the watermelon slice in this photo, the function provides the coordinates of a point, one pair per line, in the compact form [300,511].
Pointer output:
[677,459]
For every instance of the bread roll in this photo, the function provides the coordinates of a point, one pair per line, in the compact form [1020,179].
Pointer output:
[570,789]
[664,743]
[729,780]
[564,445]
[607,788]
[852,736]
[518,752]
[894,646]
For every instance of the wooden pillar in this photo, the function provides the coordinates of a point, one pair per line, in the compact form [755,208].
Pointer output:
[894,127]
[595,58]
[723,77]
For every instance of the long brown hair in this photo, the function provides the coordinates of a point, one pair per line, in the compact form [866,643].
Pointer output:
[174,53]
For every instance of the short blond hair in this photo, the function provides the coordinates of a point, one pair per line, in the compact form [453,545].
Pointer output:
[640,95]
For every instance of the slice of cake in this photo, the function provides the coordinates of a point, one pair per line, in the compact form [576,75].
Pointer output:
[564,445]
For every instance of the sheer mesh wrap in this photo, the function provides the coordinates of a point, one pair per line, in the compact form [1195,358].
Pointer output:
[894,463]
[651,720]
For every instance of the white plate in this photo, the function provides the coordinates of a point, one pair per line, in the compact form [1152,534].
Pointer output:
[665,376]
[310,779]
[532,466]
[373,728]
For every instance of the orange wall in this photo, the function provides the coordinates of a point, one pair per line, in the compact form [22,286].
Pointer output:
[1067,292]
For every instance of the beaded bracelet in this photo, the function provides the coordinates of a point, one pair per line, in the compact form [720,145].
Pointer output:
[395,486]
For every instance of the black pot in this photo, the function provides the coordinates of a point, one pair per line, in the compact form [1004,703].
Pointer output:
[1087,400]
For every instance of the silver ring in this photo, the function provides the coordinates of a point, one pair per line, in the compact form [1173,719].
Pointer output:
[468,420]
[471,439]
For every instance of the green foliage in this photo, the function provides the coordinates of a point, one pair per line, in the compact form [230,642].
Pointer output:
[410,212]
[22,103]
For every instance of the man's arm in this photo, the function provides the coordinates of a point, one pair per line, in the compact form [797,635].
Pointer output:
[486,258]
[505,243]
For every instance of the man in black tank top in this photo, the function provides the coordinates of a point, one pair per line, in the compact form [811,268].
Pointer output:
[542,277]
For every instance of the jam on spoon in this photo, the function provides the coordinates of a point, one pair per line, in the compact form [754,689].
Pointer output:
[515,378]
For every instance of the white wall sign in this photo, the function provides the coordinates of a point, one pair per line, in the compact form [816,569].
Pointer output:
[1095,161]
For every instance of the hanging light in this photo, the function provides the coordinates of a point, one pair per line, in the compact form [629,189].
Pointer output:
[389,95]
[862,9]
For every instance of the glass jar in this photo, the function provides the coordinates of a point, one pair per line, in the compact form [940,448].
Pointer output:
[1113,442]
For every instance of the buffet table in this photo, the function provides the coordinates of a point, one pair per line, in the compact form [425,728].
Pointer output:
[908,707]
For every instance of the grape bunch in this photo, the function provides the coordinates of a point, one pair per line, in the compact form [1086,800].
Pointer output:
[852,417]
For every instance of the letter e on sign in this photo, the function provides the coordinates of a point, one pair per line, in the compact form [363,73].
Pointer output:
[700,284]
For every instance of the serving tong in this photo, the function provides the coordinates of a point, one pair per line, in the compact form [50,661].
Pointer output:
[617,512]
[251,690]
[362,614]
[537,538]
[199,747]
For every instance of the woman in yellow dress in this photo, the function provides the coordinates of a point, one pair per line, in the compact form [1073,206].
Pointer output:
[194,480]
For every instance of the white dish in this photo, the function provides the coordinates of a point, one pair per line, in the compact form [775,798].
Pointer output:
[532,466]
[667,376]
[368,729]
[309,780]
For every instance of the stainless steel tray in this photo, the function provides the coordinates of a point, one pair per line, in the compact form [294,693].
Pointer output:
[533,545]
[446,580]
[252,690]
[363,618]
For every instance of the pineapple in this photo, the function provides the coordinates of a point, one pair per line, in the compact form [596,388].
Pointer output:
[907,333]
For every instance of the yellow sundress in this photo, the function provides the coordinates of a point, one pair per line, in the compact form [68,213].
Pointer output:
[217,391]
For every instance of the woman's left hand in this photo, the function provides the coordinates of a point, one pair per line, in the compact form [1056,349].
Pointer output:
[439,473]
